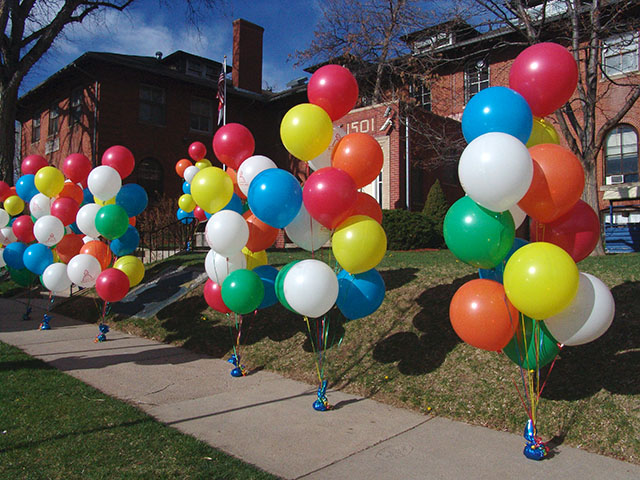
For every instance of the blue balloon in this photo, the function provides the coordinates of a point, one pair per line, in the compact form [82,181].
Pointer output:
[185,217]
[26,187]
[13,254]
[88,196]
[234,204]
[496,272]
[268,274]
[275,197]
[186,187]
[127,243]
[37,257]
[133,198]
[359,295]
[497,109]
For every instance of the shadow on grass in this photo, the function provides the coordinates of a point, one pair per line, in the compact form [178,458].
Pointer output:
[397,278]
[22,365]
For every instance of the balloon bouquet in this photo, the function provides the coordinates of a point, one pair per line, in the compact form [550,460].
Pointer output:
[530,299]
[71,235]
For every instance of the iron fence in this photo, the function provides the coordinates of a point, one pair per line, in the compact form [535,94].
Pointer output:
[166,241]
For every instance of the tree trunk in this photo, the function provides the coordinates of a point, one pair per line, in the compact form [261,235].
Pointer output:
[590,195]
[8,104]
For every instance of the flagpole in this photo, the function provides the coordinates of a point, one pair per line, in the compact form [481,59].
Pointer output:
[224,106]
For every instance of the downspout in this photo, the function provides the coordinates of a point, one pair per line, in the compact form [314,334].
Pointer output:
[94,141]
[407,162]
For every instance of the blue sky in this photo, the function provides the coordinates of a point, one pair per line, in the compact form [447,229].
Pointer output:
[145,29]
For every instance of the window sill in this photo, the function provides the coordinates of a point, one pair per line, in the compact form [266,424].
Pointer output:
[621,191]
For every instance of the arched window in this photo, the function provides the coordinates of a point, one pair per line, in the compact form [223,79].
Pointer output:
[621,155]
[151,177]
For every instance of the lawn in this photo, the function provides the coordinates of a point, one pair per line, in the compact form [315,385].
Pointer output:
[407,354]
[54,426]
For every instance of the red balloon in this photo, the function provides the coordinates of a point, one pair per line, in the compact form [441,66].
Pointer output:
[557,184]
[9,193]
[73,191]
[120,158]
[4,190]
[132,221]
[23,229]
[329,195]
[112,285]
[213,296]
[197,151]
[65,209]
[577,232]
[100,251]
[367,205]
[76,167]
[261,235]
[482,316]
[69,246]
[546,75]
[360,155]
[32,163]
[200,214]
[333,88]
[182,165]
[232,144]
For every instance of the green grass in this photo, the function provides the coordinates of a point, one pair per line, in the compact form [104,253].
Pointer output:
[54,426]
[407,354]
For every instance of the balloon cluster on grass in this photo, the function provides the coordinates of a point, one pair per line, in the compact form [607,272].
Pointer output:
[79,220]
[530,298]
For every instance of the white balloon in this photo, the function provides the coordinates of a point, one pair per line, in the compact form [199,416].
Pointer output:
[83,270]
[190,172]
[518,215]
[86,219]
[218,267]
[40,205]
[5,217]
[48,230]
[227,232]
[55,277]
[7,236]
[496,170]
[589,315]
[324,159]
[2,262]
[307,232]
[87,239]
[104,182]
[311,288]
[251,167]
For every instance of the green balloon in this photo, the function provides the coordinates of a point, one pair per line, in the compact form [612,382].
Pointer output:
[112,221]
[242,291]
[535,348]
[22,277]
[279,285]
[478,236]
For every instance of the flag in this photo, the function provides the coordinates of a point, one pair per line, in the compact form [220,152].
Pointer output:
[220,95]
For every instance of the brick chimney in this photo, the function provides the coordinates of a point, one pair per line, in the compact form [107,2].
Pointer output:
[247,55]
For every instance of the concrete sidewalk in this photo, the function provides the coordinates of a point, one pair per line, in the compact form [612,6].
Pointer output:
[268,420]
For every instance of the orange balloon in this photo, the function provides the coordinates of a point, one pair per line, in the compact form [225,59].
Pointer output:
[367,205]
[73,191]
[69,246]
[182,165]
[558,181]
[99,250]
[482,316]
[236,189]
[360,155]
[261,235]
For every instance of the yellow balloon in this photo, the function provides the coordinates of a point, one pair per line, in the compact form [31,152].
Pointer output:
[13,205]
[204,163]
[306,131]
[186,203]
[211,189]
[102,203]
[255,259]
[541,280]
[542,132]
[359,243]
[49,181]
[132,266]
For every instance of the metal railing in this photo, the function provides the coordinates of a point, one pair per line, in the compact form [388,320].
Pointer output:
[166,241]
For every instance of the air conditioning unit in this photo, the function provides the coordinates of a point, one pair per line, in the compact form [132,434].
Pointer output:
[614,179]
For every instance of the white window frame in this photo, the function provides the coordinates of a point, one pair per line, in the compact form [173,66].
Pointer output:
[156,114]
[619,150]
[479,66]
[201,117]
[618,47]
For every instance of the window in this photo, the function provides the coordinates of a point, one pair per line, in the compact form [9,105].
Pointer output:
[150,177]
[201,115]
[194,68]
[75,106]
[476,78]
[620,54]
[152,105]
[54,123]
[422,94]
[35,128]
[621,155]
[211,73]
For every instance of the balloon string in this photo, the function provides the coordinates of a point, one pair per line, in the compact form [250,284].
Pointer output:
[526,409]
[239,330]
[549,372]
[306,319]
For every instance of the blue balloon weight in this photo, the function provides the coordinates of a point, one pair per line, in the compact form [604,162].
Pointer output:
[359,295]
[268,274]
[496,272]
[185,217]
[127,243]
[133,198]
[275,197]
[87,196]
[13,254]
[26,187]
[186,188]
[234,204]
[37,258]
[497,109]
